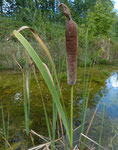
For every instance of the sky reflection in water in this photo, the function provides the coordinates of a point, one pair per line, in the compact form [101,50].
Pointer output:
[110,128]
[111,97]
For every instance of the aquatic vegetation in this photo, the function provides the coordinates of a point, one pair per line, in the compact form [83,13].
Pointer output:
[10,84]
[71,45]
[45,74]
[56,93]
[5,131]
[101,127]
[71,50]
[52,82]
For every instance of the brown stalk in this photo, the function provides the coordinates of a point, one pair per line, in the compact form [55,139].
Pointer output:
[6,141]
[71,45]
[62,132]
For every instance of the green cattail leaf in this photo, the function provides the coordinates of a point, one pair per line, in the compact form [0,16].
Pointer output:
[45,49]
[46,77]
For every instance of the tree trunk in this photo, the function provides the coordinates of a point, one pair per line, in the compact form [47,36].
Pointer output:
[1,4]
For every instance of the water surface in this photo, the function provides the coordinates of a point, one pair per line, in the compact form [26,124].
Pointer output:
[109,97]
[103,89]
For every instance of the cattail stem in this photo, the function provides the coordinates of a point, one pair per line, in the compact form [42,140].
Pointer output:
[71,50]
[71,118]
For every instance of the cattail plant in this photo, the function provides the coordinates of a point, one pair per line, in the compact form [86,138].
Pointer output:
[71,49]
[71,45]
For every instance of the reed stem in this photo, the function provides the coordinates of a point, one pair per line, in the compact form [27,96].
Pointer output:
[101,127]
[71,118]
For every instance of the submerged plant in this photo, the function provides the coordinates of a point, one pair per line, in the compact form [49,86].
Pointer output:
[71,50]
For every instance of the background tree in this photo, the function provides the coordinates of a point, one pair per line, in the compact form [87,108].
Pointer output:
[1,4]
[101,20]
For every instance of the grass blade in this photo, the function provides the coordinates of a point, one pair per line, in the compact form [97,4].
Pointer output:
[54,121]
[84,84]
[7,128]
[26,106]
[46,77]
[101,127]
[50,60]
[47,122]
[44,48]
[3,122]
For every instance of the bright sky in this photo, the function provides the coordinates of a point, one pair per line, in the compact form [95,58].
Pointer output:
[116,4]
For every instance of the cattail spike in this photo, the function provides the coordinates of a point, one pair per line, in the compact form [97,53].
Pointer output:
[65,10]
[71,45]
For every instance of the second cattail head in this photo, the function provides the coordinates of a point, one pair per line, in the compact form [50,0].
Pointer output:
[71,45]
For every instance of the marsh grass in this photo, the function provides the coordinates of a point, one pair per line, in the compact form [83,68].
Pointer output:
[53,84]
[101,127]
[27,97]
[87,78]
[5,125]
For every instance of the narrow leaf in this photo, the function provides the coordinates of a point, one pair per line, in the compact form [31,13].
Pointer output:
[46,77]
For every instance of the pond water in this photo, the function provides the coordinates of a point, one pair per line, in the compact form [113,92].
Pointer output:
[103,89]
[110,127]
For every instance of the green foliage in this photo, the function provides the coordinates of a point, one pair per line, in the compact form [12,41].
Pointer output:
[114,32]
[80,9]
[7,24]
[103,61]
[98,17]
[46,77]
[101,127]
[100,21]
[30,10]
[5,129]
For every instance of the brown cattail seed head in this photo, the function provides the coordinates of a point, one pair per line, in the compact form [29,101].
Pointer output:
[65,10]
[71,45]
